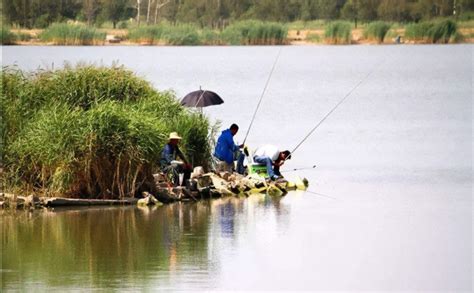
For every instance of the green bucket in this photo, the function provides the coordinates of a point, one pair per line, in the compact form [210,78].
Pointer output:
[260,170]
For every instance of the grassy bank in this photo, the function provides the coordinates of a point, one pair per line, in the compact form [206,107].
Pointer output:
[71,34]
[241,33]
[251,32]
[89,131]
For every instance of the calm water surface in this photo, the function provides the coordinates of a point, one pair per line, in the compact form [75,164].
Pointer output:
[395,158]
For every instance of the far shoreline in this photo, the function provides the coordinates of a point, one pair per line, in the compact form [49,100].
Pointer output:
[116,37]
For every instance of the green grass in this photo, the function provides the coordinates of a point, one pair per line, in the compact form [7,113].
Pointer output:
[150,35]
[443,31]
[254,32]
[376,31]
[90,131]
[178,35]
[338,32]
[314,38]
[7,36]
[69,34]
[307,25]
[241,33]
[181,35]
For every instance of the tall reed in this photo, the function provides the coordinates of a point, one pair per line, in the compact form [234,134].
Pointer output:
[254,32]
[376,31]
[338,32]
[7,37]
[146,34]
[71,34]
[181,35]
[432,32]
[90,131]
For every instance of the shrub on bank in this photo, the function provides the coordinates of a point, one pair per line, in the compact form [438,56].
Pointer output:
[338,32]
[71,34]
[433,32]
[376,31]
[90,131]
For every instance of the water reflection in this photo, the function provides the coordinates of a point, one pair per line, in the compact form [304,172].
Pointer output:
[137,247]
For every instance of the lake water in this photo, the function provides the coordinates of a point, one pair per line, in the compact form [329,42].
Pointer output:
[394,178]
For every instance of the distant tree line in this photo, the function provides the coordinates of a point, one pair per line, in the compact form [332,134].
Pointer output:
[218,13]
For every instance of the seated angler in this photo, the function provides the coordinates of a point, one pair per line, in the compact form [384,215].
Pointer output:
[169,163]
[272,158]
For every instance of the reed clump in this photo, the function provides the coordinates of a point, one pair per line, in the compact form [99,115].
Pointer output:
[444,31]
[7,37]
[89,131]
[181,35]
[149,35]
[338,32]
[72,34]
[254,32]
[376,31]
[166,34]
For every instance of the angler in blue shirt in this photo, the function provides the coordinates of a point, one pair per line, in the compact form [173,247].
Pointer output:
[226,148]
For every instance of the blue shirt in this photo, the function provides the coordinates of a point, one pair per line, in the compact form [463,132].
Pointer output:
[225,147]
[169,154]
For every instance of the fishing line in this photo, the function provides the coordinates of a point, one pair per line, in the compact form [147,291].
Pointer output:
[321,194]
[299,169]
[263,93]
[333,109]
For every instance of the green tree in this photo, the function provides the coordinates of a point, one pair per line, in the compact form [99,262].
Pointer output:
[115,10]
[350,11]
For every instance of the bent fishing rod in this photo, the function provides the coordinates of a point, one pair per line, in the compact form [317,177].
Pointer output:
[333,109]
[263,93]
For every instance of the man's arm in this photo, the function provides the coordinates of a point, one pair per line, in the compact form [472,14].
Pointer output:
[181,155]
[167,154]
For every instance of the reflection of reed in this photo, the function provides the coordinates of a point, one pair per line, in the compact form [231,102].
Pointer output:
[104,246]
[123,246]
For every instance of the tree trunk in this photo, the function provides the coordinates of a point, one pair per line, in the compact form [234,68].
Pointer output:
[158,6]
[138,12]
[148,12]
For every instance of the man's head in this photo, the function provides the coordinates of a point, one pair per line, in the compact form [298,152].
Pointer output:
[285,155]
[233,129]
[174,138]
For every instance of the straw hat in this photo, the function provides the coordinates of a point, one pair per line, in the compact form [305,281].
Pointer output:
[174,135]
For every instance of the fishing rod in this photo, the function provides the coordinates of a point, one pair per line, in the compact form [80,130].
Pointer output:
[298,169]
[263,93]
[333,109]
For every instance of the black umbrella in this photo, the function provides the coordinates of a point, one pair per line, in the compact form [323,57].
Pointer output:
[201,98]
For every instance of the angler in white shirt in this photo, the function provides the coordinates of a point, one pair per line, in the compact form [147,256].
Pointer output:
[273,158]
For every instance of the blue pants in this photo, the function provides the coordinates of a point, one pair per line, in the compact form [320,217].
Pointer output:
[264,160]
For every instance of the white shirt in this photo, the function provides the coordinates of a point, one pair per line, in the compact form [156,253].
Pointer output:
[268,150]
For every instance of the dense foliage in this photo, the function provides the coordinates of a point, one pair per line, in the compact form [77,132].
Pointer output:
[218,13]
[90,131]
